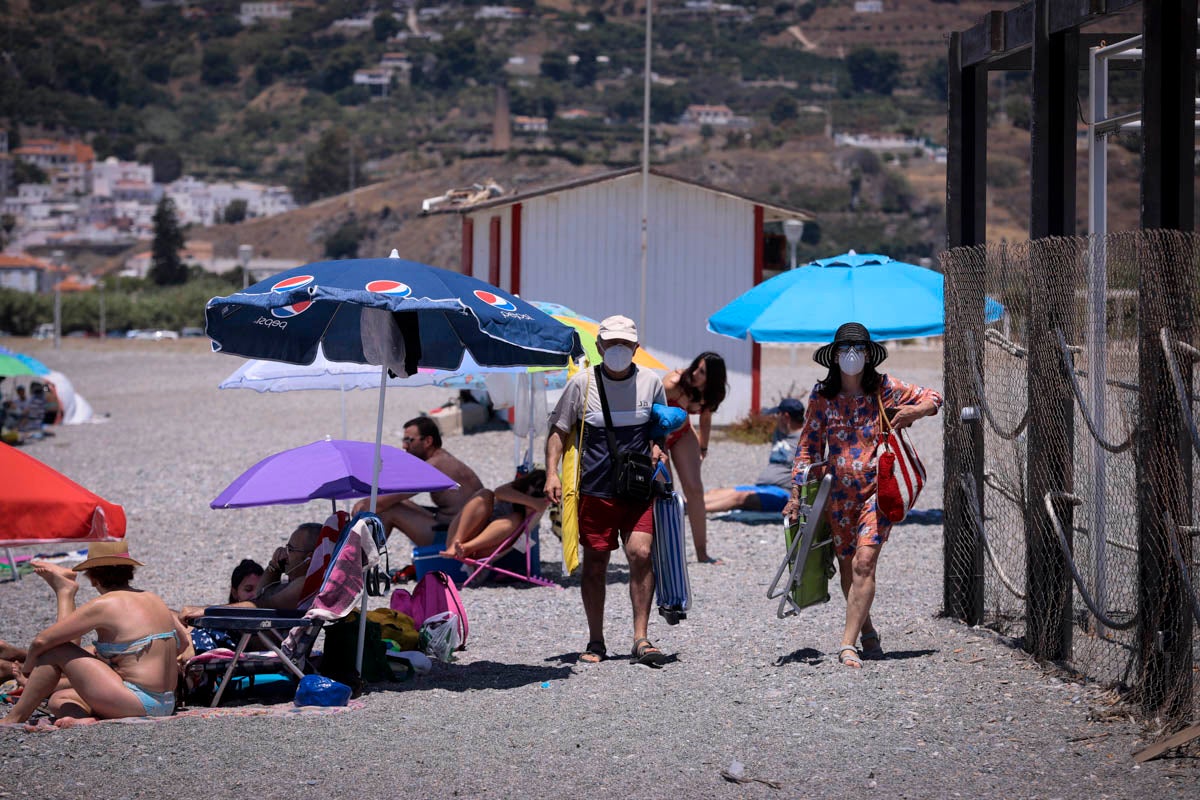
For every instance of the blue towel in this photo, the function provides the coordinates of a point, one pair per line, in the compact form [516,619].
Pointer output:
[666,419]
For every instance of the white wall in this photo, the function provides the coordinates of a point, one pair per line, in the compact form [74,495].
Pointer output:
[582,248]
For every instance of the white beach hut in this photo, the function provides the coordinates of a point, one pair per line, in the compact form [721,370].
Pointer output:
[579,244]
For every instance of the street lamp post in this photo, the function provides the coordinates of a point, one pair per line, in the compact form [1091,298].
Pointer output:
[56,258]
[100,286]
[245,253]
[793,229]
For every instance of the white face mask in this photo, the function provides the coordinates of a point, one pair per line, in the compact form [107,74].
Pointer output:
[852,362]
[618,357]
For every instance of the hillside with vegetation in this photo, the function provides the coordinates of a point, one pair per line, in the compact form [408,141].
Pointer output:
[190,89]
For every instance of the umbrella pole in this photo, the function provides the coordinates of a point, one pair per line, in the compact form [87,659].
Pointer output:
[12,563]
[362,616]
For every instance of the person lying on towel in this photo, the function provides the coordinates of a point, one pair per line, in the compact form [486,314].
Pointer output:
[132,672]
[772,488]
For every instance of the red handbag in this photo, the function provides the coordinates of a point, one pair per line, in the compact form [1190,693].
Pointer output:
[900,475]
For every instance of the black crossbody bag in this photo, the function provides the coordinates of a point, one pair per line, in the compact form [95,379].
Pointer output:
[632,473]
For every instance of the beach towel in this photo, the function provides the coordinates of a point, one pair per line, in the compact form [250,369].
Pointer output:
[342,586]
[322,556]
[570,490]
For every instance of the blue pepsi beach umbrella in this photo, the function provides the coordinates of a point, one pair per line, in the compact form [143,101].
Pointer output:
[894,300]
[423,315]
[399,315]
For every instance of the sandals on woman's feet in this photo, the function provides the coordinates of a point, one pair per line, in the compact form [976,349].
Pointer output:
[646,653]
[848,656]
[594,653]
[871,648]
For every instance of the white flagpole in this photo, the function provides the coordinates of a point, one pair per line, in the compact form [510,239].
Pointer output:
[645,172]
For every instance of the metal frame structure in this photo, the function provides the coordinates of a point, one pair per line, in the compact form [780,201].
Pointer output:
[1045,37]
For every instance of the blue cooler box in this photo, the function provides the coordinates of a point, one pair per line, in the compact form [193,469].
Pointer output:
[426,559]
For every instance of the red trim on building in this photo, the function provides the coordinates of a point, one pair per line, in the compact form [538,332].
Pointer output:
[515,254]
[466,264]
[756,348]
[494,251]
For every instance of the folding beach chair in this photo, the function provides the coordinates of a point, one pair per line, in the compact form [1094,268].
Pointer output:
[522,540]
[344,550]
[808,562]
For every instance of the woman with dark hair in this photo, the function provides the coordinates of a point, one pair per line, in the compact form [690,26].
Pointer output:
[133,671]
[699,389]
[490,517]
[841,429]
[244,583]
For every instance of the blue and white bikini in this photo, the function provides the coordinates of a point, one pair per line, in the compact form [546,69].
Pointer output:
[157,704]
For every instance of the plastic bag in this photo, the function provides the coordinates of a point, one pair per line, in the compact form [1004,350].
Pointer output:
[440,637]
[317,690]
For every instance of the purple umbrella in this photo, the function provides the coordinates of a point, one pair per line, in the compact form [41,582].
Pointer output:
[333,469]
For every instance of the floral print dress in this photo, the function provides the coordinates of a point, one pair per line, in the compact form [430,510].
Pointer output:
[847,427]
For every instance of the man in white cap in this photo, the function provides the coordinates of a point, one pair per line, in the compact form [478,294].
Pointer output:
[608,514]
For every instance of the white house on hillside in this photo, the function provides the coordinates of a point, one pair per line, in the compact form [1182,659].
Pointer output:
[579,244]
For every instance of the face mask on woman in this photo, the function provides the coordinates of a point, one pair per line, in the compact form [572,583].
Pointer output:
[618,357]
[852,362]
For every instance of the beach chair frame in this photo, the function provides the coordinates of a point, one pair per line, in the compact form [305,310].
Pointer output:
[799,539]
[525,529]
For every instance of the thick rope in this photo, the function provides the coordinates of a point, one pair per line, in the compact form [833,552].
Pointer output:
[977,379]
[968,487]
[1062,543]
[1189,421]
[1087,415]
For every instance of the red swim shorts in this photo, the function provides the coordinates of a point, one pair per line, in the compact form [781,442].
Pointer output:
[601,520]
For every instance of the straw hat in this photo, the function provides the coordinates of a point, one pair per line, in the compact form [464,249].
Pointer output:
[107,554]
[851,333]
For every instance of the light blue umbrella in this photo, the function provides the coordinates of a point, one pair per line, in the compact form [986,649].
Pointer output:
[892,299]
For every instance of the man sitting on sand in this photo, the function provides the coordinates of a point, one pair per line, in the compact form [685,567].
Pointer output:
[419,523]
[772,487]
[132,672]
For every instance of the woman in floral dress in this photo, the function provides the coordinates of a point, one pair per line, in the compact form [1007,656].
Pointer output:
[841,429]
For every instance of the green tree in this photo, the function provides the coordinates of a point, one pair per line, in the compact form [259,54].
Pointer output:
[874,70]
[167,163]
[555,66]
[235,212]
[343,243]
[384,26]
[327,165]
[784,109]
[217,66]
[933,79]
[28,172]
[166,268]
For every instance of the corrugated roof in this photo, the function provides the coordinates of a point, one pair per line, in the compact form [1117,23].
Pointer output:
[779,209]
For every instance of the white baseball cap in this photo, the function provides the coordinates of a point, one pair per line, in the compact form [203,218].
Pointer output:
[618,328]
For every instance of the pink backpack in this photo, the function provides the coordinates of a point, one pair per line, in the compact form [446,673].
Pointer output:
[433,594]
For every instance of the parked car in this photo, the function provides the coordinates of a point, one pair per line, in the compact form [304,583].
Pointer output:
[157,336]
[44,331]
[190,332]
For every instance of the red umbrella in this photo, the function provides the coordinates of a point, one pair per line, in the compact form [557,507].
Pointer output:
[41,506]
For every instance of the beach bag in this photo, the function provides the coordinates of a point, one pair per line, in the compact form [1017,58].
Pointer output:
[434,594]
[900,475]
[317,690]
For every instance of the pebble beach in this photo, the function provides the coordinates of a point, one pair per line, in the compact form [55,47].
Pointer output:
[749,705]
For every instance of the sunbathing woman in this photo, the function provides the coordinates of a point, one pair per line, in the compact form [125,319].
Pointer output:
[133,672]
[699,389]
[490,517]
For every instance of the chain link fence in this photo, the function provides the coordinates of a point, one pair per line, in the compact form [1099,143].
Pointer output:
[1070,500]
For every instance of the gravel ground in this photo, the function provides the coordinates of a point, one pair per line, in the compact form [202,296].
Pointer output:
[951,712]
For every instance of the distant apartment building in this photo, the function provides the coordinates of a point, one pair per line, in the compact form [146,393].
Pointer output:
[24,273]
[377,77]
[708,115]
[576,113]
[251,13]
[399,65]
[124,180]
[51,155]
[500,12]
[868,6]
[200,203]
[523,124]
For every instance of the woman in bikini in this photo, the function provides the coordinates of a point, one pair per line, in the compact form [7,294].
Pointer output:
[699,389]
[490,517]
[133,670]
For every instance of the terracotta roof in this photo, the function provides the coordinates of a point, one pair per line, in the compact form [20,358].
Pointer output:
[79,151]
[21,261]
